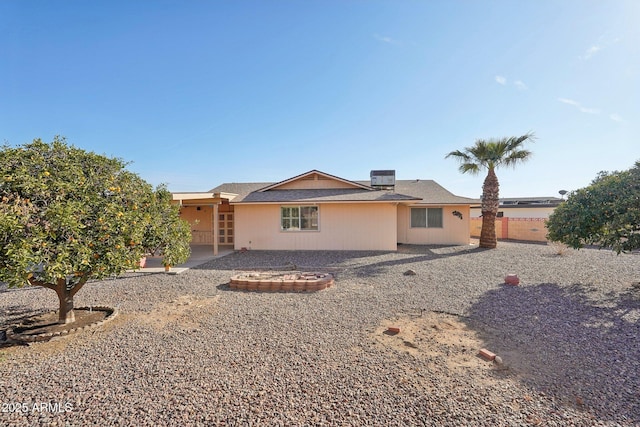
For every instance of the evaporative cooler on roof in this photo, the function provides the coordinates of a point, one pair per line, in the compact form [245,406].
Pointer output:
[383,178]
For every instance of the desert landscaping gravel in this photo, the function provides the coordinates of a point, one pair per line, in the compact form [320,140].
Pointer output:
[186,350]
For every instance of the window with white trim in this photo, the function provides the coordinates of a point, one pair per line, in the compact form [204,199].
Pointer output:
[299,218]
[426,217]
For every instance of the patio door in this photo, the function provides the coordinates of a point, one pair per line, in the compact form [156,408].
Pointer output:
[225,228]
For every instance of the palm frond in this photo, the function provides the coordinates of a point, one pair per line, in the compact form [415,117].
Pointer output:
[459,155]
[466,160]
[492,153]
[516,157]
[515,142]
[472,168]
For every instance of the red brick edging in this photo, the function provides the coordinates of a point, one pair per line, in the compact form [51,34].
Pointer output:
[12,335]
[304,282]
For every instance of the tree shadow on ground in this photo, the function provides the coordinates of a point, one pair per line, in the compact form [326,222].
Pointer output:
[296,260]
[563,342]
[418,254]
[15,315]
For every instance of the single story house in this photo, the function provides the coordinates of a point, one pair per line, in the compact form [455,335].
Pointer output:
[319,211]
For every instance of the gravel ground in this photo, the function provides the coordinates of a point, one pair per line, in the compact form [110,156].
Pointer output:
[187,350]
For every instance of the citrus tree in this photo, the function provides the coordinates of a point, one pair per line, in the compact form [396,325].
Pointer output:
[490,155]
[165,232]
[605,213]
[67,216]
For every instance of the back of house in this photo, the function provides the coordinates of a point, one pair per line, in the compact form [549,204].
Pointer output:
[319,211]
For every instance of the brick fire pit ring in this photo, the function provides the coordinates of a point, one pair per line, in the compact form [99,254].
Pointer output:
[293,282]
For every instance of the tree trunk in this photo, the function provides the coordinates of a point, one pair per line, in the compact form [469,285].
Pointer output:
[488,233]
[65,297]
[490,203]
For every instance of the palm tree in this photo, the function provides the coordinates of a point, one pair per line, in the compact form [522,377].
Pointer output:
[490,155]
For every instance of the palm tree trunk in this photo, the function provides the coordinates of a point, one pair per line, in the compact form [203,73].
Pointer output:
[490,203]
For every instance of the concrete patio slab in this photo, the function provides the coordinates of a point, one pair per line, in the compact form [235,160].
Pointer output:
[200,254]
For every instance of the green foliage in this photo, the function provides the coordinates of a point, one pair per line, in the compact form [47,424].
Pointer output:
[165,232]
[606,213]
[67,215]
[492,153]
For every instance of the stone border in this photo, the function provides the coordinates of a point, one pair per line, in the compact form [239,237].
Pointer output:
[111,313]
[301,282]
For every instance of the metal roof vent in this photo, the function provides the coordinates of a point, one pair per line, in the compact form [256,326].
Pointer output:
[383,179]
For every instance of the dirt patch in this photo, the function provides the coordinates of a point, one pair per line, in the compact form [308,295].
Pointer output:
[437,338]
[183,311]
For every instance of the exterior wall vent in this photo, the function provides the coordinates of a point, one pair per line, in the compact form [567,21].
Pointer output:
[383,179]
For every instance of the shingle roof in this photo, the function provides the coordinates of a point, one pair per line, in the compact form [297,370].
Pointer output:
[325,195]
[430,192]
[242,189]
[420,191]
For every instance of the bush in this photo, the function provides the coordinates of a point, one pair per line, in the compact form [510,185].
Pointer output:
[606,213]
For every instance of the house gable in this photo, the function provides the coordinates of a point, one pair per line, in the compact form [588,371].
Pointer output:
[315,180]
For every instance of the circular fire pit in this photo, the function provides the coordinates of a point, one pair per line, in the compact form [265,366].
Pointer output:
[270,282]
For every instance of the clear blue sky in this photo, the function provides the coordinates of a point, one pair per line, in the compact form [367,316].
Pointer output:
[197,93]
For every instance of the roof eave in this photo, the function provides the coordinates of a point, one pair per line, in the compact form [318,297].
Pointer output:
[311,201]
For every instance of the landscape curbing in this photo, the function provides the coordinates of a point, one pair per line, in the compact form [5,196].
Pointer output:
[14,336]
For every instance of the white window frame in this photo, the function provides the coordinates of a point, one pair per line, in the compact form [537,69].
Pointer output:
[291,216]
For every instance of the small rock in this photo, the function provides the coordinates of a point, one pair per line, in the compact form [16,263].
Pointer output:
[409,273]
[498,360]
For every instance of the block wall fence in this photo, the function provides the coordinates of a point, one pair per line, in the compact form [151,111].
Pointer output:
[528,229]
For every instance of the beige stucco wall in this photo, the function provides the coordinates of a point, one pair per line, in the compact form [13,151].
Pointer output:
[200,218]
[454,231]
[354,226]
[200,221]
